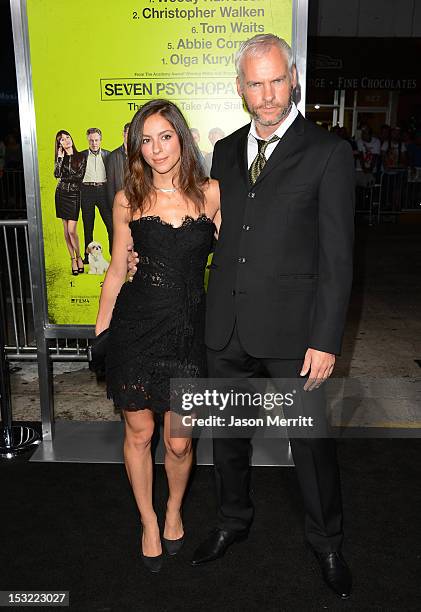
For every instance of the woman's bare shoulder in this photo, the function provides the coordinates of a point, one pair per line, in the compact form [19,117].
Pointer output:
[120,199]
[210,184]
[211,189]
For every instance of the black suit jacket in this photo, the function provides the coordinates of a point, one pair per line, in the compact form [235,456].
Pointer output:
[282,267]
[115,168]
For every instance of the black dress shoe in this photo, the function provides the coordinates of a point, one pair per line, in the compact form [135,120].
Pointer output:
[216,545]
[336,572]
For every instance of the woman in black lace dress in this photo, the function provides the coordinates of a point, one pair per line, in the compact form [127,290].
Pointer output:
[70,168]
[170,212]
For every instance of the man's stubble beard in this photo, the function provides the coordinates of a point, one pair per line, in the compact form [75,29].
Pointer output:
[283,112]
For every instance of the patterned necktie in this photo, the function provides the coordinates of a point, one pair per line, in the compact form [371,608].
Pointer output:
[260,159]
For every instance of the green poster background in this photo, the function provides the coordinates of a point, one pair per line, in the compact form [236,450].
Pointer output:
[95,61]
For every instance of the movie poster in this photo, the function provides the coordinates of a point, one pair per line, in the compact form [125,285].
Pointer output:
[94,63]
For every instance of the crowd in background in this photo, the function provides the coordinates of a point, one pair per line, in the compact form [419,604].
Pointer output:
[390,150]
[387,160]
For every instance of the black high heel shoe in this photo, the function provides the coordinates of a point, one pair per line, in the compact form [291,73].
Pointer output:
[80,269]
[173,546]
[153,564]
[75,271]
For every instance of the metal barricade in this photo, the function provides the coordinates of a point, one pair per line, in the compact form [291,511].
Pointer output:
[20,342]
[18,299]
[69,349]
[392,193]
[413,190]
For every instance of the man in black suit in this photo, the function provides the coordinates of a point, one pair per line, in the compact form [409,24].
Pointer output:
[93,190]
[279,287]
[116,167]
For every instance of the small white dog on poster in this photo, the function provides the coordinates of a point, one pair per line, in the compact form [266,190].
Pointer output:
[97,263]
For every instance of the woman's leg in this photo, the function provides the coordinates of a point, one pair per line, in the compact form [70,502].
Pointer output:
[138,461]
[72,227]
[178,463]
[67,238]
[69,244]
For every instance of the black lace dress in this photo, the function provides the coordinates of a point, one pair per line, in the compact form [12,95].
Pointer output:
[157,327]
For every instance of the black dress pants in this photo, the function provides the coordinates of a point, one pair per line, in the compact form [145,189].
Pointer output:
[96,196]
[315,458]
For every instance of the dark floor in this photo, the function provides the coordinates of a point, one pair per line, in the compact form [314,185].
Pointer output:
[76,527]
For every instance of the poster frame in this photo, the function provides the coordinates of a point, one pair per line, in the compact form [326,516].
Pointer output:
[44,330]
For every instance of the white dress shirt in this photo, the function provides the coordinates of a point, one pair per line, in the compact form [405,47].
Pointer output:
[95,169]
[252,148]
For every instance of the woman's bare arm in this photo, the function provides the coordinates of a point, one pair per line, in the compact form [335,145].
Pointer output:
[116,274]
[213,204]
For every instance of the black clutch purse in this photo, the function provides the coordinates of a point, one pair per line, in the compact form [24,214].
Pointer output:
[97,352]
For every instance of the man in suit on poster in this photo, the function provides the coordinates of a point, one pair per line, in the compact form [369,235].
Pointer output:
[279,287]
[93,191]
[116,167]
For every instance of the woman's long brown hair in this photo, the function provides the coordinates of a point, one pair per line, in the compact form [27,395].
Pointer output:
[138,187]
[76,157]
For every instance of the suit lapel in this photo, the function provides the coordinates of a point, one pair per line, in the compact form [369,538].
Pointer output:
[242,154]
[287,144]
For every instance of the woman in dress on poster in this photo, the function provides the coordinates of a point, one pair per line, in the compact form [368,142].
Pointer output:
[69,168]
[169,210]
